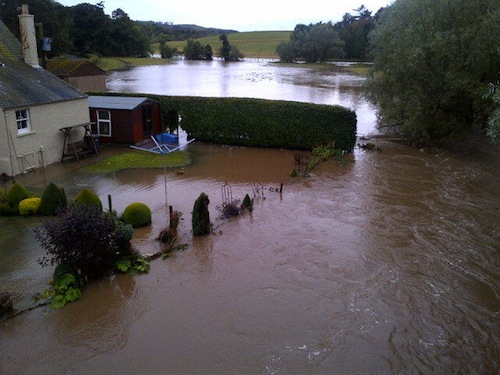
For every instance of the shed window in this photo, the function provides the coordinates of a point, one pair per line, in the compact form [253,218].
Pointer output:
[104,123]
[23,121]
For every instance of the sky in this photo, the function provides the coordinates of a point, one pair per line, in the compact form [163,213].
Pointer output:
[253,15]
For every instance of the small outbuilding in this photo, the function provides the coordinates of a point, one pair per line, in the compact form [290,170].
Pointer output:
[124,119]
[81,74]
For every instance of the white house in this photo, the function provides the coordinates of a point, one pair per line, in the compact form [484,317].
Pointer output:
[34,104]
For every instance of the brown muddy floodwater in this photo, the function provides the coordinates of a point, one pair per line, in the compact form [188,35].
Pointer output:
[386,263]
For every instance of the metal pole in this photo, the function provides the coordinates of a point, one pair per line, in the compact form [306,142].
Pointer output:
[165,176]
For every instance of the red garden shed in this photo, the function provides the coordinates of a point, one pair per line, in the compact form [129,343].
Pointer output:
[124,119]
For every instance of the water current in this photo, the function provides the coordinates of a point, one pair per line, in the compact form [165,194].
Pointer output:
[384,263]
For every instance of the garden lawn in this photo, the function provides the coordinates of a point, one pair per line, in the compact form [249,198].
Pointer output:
[139,159]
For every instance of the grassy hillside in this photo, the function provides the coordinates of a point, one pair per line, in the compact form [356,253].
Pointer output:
[254,44]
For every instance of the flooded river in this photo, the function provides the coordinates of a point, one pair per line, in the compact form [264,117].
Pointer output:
[384,263]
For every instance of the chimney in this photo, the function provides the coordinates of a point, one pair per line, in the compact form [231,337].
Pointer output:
[28,37]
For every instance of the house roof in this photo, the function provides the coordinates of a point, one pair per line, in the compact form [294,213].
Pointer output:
[21,85]
[67,68]
[116,102]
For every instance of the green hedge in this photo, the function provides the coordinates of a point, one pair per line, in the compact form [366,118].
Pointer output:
[259,122]
[263,123]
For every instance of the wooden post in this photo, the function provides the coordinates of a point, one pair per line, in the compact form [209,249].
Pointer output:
[110,203]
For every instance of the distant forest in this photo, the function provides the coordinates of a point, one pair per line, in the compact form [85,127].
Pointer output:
[85,28]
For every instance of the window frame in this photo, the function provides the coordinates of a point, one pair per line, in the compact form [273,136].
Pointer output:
[23,118]
[104,121]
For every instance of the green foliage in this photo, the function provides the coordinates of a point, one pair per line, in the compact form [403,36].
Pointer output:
[124,233]
[229,52]
[194,50]
[16,194]
[201,216]
[88,197]
[29,206]
[82,237]
[322,153]
[320,42]
[65,286]
[137,214]
[264,123]
[66,289]
[53,199]
[3,195]
[133,266]
[7,210]
[433,61]
[354,31]
[247,203]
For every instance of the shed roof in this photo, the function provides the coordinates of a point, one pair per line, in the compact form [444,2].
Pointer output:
[67,68]
[116,102]
[21,85]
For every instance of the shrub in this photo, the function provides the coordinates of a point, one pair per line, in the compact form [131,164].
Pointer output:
[29,206]
[201,216]
[7,210]
[264,123]
[53,199]
[83,238]
[137,214]
[88,197]
[247,203]
[16,194]
[3,195]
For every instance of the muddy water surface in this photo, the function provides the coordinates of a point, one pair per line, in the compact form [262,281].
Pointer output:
[386,263]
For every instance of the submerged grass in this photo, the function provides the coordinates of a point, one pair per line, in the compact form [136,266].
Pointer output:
[139,159]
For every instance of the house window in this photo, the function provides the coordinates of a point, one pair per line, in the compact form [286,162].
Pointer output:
[23,121]
[104,123]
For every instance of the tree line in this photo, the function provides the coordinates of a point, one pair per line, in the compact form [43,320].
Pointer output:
[86,29]
[321,42]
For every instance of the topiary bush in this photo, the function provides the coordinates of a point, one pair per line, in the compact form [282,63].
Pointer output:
[137,214]
[16,194]
[52,200]
[29,206]
[201,216]
[88,197]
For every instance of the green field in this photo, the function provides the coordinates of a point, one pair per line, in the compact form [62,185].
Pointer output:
[253,44]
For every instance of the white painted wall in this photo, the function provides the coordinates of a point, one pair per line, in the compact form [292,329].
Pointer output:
[44,144]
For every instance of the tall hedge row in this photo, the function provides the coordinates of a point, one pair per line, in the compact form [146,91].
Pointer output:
[259,122]
[263,123]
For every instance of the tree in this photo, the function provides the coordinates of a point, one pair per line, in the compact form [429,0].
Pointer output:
[433,61]
[354,31]
[195,51]
[320,42]
[229,52]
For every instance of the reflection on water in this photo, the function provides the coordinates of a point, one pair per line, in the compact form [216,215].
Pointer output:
[253,79]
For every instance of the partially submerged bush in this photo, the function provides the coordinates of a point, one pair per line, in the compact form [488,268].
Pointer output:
[88,197]
[201,216]
[29,206]
[53,199]
[83,237]
[16,194]
[137,214]
[247,203]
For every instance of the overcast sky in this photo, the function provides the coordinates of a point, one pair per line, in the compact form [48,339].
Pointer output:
[253,15]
